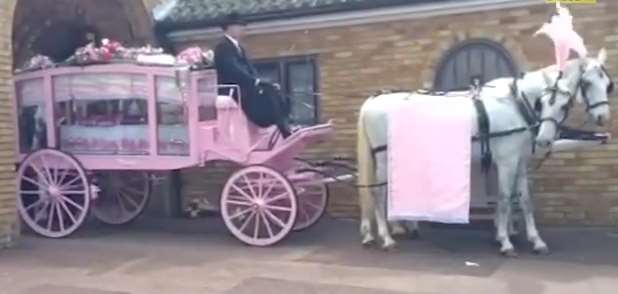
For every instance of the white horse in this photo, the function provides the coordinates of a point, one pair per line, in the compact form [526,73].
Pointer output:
[547,89]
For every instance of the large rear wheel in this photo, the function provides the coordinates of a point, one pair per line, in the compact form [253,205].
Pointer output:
[53,193]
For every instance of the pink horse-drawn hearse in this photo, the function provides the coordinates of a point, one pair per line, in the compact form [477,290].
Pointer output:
[91,137]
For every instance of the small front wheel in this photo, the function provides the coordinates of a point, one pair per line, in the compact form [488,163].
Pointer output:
[259,206]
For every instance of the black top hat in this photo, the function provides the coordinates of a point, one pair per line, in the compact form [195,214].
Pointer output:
[233,19]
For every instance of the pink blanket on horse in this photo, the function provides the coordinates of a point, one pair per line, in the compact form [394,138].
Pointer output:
[429,154]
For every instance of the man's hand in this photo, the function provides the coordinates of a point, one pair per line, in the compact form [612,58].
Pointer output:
[277,86]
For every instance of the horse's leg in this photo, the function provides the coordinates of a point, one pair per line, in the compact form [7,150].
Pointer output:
[380,201]
[511,227]
[527,209]
[367,206]
[507,173]
[366,177]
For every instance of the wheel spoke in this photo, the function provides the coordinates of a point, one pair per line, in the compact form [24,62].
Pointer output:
[50,216]
[267,225]
[41,212]
[34,204]
[246,222]
[34,182]
[274,218]
[70,201]
[256,229]
[73,192]
[316,206]
[60,217]
[302,212]
[270,188]
[128,199]
[51,177]
[250,184]
[243,193]
[278,208]
[79,187]
[68,211]
[241,213]
[63,176]
[70,183]
[132,190]
[240,203]
[234,197]
[39,173]
[123,208]
[278,197]
[261,185]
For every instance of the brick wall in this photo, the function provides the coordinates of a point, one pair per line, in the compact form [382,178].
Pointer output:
[8,216]
[355,61]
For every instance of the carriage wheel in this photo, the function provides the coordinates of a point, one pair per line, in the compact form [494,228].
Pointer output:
[124,196]
[258,206]
[53,193]
[312,202]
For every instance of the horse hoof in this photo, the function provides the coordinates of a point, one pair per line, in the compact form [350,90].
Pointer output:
[368,242]
[389,246]
[543,250]
[509,253]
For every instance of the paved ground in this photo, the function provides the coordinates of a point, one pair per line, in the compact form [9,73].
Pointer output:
[197,256]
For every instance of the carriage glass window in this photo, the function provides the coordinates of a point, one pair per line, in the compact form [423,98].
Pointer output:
[172,118]
[102,113]
[207,94]
[31,115]
[298,79]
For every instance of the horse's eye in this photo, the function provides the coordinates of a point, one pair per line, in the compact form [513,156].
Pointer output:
[610,88]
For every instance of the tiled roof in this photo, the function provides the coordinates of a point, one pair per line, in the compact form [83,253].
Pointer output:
[204,13]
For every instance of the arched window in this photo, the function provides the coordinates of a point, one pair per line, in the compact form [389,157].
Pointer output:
[482,59]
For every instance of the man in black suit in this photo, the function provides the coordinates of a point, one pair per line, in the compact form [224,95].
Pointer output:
[261,104]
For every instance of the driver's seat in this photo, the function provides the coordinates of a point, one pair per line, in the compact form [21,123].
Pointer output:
[234,126]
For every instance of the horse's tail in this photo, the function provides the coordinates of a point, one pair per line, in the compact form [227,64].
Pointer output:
[366,168]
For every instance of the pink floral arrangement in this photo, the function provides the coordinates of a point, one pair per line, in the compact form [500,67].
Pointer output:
[38,62]
[111,51]
[195,56]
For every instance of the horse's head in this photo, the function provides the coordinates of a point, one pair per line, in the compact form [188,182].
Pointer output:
[585,79]
[553,106]
[596,85]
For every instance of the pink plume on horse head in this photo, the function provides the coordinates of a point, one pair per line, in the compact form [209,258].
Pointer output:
[560,31]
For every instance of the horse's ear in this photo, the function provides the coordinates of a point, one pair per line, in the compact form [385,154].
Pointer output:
[602,57]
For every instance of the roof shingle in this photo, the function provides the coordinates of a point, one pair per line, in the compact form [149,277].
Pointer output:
[206,13]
